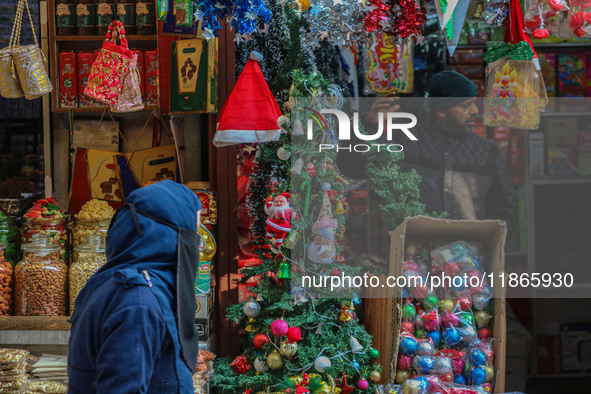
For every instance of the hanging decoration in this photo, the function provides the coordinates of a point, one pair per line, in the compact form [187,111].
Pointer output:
[389,65]
[243,15]
[451,14]
[409,18]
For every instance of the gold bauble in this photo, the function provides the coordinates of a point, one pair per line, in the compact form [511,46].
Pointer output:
[305,4]
[275,360]
[375,376]
[288,349]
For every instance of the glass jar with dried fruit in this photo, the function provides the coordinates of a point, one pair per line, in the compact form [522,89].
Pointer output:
[46,218]
[88,258]
[41,279]
[94,218]
[5,284]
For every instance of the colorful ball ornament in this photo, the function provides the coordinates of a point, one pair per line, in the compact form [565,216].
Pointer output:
[477,376]
[442,365]
[477,357]
[260,365]
[408,312]
[465,304]
[424,365]
[288,349]
[460,379]
[484,333]
[375,376]
[251,308]
[451,337]
[408,346]
[435,337]
[448,377]
[356,365]
[480,301]
[279,328]
[275,360]
[482,319]
[425,348]
[457,366]
[487,387]
[447,305]
[374,353]
[322,363]
[407,326]
[490,373]
[430,302]
[432,323]
[362,384]
[468,334]
[450,319]
[402,376]
[404,363]
[419,333]
[294,334]
[260,339]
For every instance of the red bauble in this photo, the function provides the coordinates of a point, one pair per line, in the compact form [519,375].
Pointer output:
[294,334]
[302,390]
[465,304]
[260,339]
[484,333]
[407,326]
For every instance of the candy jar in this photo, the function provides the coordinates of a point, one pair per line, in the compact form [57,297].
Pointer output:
[5,284]
[46,218]
[9,236]
[94,218]
[88,258]
[40,279]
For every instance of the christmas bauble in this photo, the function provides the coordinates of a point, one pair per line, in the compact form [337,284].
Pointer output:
[404,363]
[252,308]
[460,379]
[425,348]
[302,390]
[435,336]
[484,333]
[432,323]
[487,387]
[468,334]
[260,365]
[477,357]
[465,304]
[424,365]
[260,339]
[294,334]
[279,327]
[447,305]
[363,384]
[480,301]
[322,363]
[430,302]
[402,376]
[477,376]
[408,312]
[419,333]
[288,349]
[490,373]
[482,319]
[466,318]
[442,365]
[408,346]
[275,360]
[450,319]
[283,154]
[451,336]
[448,377]
[457,366]
[375,376]
[374,353]
[356,365]
[407,326]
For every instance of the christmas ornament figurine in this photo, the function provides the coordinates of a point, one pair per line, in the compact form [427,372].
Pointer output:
[279,221]
[252,308]
[345,388]
[355,345]
[356,365]
[284,272]
[291,239]
[339,209]
[345,316]
[241,365]
[260,339]
[275,360]
[322,363]
[311,168]
[279,328]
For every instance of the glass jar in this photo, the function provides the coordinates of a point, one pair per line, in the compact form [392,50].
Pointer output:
[145,17]
[126,14]
[209,213]
[9,236]
[5,284]
[106,12]
[88,258]
[65,17]
[54,228]
[86,17]
[83,228]
[41,280]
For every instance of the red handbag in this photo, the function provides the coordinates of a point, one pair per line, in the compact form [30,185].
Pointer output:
[110,67]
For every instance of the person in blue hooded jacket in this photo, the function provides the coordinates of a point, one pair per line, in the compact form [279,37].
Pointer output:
[133,327]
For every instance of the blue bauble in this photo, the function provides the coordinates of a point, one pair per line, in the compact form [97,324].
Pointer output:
[460,379]
[451,336]
[423,383]
[408,346]
[435,337]
[477,376]
[425,365]
[356,365]
[477,357]
[404,294]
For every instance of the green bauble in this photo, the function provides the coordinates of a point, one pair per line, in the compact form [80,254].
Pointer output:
[420,333]
[408,312]
[430,302]
[374,353]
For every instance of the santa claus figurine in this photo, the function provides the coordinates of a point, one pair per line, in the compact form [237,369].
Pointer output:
[280,214]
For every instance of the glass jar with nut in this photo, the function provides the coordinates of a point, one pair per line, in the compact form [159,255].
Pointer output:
[94,218]
[41,279]
[88,258]
[5,284]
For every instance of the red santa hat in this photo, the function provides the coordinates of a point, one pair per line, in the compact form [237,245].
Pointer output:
[250,113]
[285,197]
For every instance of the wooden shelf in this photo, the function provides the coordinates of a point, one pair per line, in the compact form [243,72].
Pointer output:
[134,37]
[34,323]
[100,109]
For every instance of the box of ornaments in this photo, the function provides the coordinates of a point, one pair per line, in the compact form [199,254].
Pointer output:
[447,318]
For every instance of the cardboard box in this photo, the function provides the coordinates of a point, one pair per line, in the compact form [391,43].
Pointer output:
[205,327]
[205,304]
[68,80]
[563,160]
[576,347]
[549,354]
[103,135]
[151,77]
[536,154]
[384,314]
[203,280]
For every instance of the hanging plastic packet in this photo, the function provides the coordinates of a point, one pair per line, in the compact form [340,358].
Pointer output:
[480,358]
[183,12]
[495,14]
[163,9]
[389,66]
[543,17]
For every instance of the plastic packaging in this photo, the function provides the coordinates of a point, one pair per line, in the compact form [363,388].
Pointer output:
[495,13]
[12,358]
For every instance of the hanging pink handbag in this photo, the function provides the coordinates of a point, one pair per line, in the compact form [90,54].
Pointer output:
[110,67]
[130,98]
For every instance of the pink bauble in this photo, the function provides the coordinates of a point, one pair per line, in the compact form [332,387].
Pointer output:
[487,387]
[363,384]
[407,326]
[450,319]
[432,324]
[457,366]
[279,328]
[404,363]
[294,334]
